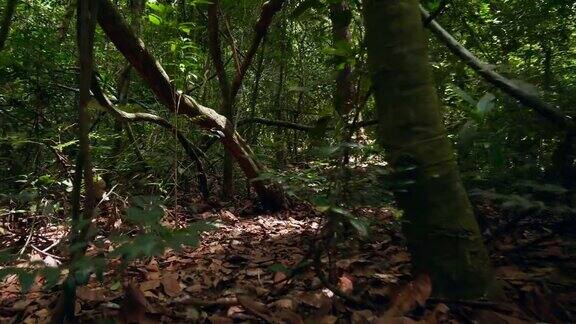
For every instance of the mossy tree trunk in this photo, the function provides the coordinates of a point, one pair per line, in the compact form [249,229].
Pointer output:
[442,233]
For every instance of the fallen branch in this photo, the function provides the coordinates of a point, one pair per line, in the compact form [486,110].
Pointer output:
[483,69]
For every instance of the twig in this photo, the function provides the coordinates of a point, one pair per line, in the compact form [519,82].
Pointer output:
[233,301]
[44,252]
[29,236]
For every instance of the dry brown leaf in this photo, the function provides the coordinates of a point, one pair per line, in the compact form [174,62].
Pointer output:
[91,294]
[288,316]
[149,285]
[326,319]
[279,277]
[171,285]
[346,284]
[134,305]
[414,294]
[283,304]
[256,308]
[397,320]
[364,316]
[21,305]
[228,217]
[153,266]
[219,320]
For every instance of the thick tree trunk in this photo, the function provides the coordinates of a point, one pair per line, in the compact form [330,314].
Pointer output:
[440,227]
[7,21]
[153,73]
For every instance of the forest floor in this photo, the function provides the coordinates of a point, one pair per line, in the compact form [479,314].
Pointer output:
[240,273]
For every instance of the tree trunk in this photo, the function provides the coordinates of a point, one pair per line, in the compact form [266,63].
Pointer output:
[341,16]
[7,21]
[227,102]
[152,72]
[442,233]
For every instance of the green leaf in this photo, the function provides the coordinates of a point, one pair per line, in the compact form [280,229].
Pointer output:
[62,146]
[157,7]
[154,19]
[26,279]
[279,267]
[51,277]
[463,94]
[361,226]
[485,104]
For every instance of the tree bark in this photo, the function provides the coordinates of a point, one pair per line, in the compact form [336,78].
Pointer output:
[80,232]
[227,102]
[341,16]
[152,72]
[441,230]
[7,21]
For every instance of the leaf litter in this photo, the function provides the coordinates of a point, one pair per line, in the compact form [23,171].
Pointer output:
[252,268]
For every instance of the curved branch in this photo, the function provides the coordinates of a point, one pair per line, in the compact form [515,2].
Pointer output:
[126,117]
[483,69]
[299,127]
[275,123]
[269,9]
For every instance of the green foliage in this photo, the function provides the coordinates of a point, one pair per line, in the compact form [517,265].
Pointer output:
[154,238]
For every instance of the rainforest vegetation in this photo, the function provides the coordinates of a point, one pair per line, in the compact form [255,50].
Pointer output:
[287,161]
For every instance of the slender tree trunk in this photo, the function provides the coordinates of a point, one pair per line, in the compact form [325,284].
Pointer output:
[7,21]
[341,16]
[442,233]
[251,134]
[80,232]
[279,139]
[227,102]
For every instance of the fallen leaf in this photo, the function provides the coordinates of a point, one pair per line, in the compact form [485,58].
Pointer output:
[21,305]
[256,308]
[91,294]
[134,305]
[413,294]
[288,316]
[284,304]
[153,266]
[149,285]
[171,285]
[51,262]
[219,320]
[397,320]
[346,284]
[228,217]
[279,277]
[364,316]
